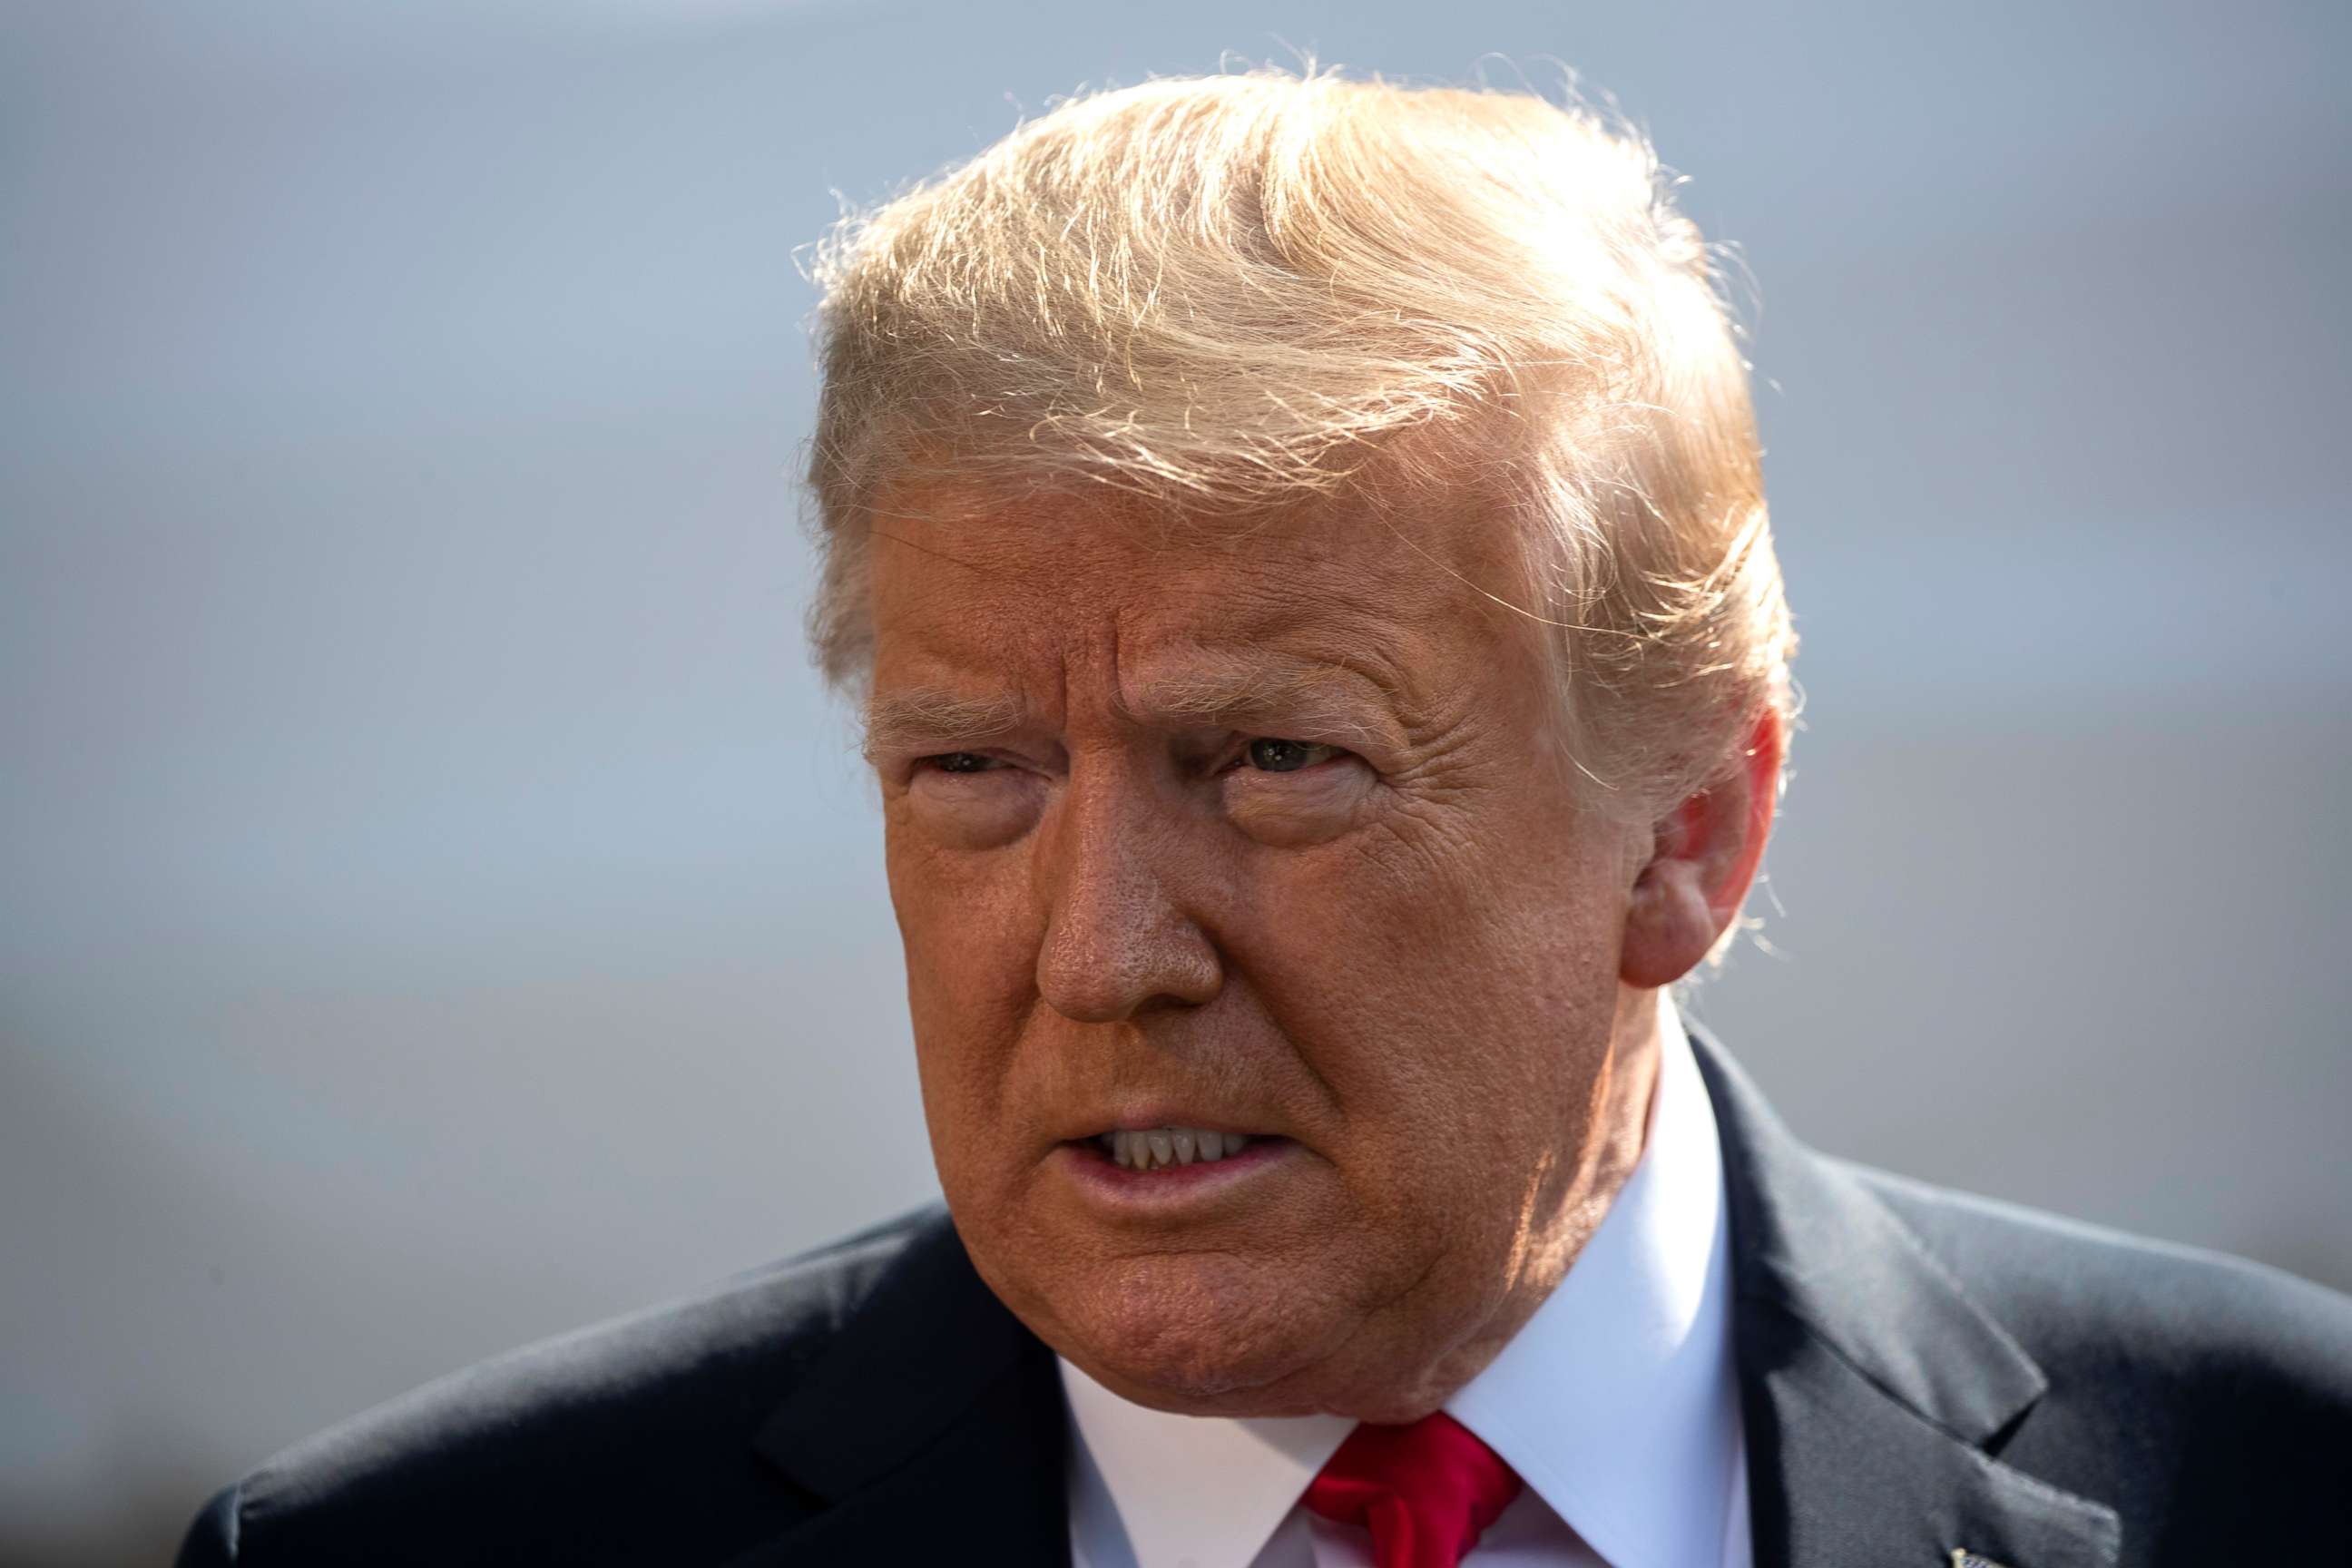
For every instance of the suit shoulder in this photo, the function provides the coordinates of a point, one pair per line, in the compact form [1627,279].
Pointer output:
[2085,1296]
[501,1453]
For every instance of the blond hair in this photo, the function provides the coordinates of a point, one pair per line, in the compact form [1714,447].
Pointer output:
[1235,292]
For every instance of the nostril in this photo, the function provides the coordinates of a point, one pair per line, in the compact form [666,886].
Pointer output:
[1087,985]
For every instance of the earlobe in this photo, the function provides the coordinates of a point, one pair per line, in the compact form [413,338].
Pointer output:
[1704,856]
[1669,925]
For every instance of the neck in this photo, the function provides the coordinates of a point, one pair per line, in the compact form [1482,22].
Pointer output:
[1570,1208]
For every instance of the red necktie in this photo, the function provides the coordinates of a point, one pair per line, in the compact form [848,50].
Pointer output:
[1425,1491]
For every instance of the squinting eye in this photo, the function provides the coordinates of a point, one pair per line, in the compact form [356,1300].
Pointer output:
[958,763]
[1270,754]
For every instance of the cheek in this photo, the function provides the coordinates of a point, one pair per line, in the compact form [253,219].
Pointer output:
[971,943]
[1447,991]
[962,911]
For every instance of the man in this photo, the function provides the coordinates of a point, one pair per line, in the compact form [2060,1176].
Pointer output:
[1301,549]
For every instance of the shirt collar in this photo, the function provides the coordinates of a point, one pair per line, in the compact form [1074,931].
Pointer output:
[1615,1403]
[1187,1489]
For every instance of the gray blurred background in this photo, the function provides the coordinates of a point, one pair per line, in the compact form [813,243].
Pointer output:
[438,907]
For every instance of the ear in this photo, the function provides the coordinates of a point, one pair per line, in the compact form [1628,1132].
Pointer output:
[1704,854]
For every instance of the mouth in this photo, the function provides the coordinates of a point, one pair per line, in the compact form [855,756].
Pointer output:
[1164,1172]
[1161,1148]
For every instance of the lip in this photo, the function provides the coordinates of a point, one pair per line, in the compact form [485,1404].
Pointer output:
[1169,1189]
[1144,1118]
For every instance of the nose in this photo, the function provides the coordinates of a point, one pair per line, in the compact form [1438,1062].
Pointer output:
[1119,940]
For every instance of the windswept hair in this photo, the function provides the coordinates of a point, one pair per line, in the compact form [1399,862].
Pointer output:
[1228,294]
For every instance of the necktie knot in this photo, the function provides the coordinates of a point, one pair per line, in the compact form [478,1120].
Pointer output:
[1427,1491]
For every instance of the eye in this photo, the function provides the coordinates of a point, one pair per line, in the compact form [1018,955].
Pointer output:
[1272,754]
[958,763]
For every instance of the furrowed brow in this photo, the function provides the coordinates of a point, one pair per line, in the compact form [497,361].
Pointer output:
[923,721]
[1334,700]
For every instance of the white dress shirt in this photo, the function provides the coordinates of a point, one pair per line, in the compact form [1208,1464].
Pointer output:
[1617,1404]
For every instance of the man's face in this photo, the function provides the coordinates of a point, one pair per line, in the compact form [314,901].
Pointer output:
[1245,830]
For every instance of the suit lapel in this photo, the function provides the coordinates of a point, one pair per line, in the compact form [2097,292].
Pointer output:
[1870,1385]
[932,1426]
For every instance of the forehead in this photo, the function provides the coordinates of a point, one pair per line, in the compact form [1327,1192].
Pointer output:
[961,580]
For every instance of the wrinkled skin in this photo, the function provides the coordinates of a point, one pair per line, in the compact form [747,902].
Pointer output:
[1399,953]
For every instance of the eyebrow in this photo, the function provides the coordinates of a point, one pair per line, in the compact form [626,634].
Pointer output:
[1331,700]
[925,720]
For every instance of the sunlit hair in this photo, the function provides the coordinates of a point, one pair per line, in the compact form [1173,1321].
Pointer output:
[1223,295]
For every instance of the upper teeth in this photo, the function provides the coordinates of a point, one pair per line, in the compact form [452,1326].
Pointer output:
[1160,1146]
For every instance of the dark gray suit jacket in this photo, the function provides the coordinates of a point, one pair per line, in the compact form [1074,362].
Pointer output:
[1921,1373]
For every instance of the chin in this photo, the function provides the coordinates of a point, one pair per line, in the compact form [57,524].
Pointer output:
[1196,1334]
